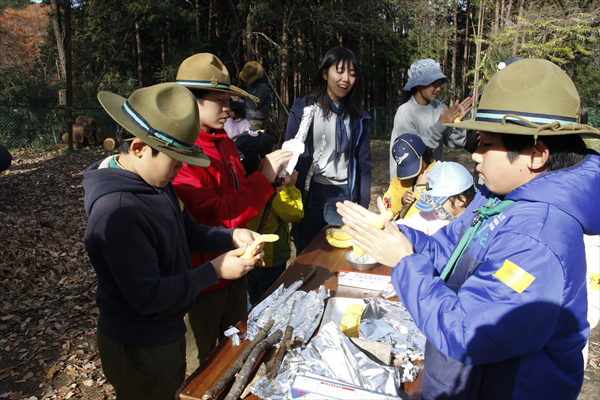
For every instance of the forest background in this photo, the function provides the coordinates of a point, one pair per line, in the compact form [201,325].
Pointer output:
[121,46]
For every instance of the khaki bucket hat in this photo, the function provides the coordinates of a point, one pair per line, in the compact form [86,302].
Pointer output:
[204,71]
[251,72]
[529,97]
[164,116]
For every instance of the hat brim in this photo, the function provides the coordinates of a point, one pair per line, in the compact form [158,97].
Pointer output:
[233,90]
[515,129]
[421,205]
[425,80]
[409,171]
[113,104]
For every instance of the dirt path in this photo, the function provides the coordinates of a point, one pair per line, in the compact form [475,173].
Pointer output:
[47,285]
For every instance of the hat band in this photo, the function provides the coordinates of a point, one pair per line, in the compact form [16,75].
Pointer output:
[213,84]
[539,119]
[144,125]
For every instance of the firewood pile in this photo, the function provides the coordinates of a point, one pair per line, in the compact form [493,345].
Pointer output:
[87,133]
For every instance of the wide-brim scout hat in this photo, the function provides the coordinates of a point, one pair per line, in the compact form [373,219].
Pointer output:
[164,116]
[529,97]
[407,152]
[204,71]
[423,73]
[251,72]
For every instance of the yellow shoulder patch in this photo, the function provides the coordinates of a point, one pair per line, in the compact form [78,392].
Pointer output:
[514,276]
[181,205]
[595,281]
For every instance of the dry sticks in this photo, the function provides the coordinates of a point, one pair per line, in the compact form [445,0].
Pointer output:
[237,366]
[244,374]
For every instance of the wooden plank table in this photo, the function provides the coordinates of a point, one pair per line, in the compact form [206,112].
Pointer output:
[327,262]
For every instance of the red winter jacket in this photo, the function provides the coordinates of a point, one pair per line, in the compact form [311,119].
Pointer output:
[221,195]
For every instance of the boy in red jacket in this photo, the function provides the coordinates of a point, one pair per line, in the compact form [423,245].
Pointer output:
[221,194]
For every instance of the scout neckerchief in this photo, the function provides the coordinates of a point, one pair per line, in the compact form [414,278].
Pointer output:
[483,213]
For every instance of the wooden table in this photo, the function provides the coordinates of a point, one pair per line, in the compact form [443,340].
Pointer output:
[327,261]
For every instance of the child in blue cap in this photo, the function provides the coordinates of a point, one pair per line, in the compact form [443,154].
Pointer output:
[423,115]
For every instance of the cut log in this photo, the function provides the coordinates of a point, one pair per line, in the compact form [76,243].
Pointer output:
[100,135]
[77,137]
[87,121]
[85,130]
[108,143]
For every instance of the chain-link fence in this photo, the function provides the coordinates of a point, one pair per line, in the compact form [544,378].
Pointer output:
[23,126]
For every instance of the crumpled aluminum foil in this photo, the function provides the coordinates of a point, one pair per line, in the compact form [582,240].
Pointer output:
[302,310]
[389,321]
[331,355]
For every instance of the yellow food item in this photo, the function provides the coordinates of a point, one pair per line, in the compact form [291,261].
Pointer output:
[335,242]
[340,234]
[259,239]
[456,120]
[350,323]
[378,222]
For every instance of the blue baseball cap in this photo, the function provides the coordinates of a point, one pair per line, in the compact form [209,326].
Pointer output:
[407,152]
[445,179]
[423,73]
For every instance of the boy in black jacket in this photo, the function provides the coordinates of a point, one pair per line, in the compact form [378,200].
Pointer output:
[138,239]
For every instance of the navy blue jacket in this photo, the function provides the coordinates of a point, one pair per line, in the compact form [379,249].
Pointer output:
[359,161]
[259,110]
[138,239]
[511,322]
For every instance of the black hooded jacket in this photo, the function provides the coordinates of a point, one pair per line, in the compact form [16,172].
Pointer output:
[138,239]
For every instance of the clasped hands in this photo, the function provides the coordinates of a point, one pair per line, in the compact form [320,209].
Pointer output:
[387,246]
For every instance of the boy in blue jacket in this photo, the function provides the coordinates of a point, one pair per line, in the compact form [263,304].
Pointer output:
[139,236]
[500,292]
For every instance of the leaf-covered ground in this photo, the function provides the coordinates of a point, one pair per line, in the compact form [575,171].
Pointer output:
[47,285]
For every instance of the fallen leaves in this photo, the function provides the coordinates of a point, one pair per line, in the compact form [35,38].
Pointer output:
[47,285]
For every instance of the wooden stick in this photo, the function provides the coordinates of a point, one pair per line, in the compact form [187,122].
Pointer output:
[262,371]
[281,353]
[242,377]
[239,363]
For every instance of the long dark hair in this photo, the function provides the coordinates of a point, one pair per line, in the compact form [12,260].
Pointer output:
[353,100]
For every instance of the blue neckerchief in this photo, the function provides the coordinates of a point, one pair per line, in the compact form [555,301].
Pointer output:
[340,129]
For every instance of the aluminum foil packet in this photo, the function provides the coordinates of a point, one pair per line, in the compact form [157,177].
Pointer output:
[332,356]
[390,322]
[302,310]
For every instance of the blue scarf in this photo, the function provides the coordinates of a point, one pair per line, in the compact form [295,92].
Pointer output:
[341,134]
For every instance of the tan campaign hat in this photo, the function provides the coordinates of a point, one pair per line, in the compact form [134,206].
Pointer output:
[164,116]
[204,71]
[251,72]
[529,97]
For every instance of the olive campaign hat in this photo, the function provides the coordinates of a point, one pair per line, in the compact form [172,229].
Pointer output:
[251,72]
[204,71]
[529,97]
[164,116]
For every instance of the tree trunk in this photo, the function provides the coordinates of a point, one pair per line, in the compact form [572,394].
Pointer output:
[496,18]
[283,84]
[454,46]
[508,16]
[197,18]
[478,44]
[58,35]
[518,28]
[465,66]
[248,35]
[138,48]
